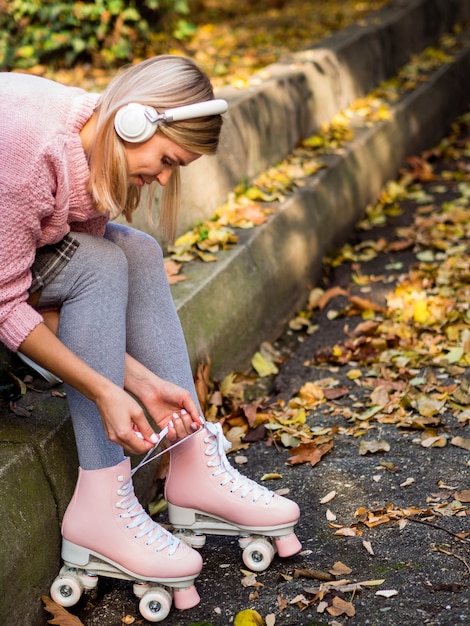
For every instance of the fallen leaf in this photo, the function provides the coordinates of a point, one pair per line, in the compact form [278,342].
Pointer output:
[341,607]
[248,617]
[128,619]
[270,619]
[309,453]
[329,496]
[312,573]
[340,569]
[271,476]
[461,442]
[330,516]
[386,593]
[348,531]
[463,496]
[263,365]
[368,546]
[372,583]
[61,617]
[408,482]
[366,447]
[250,581]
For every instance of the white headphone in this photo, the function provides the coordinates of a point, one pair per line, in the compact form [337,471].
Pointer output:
[136,122]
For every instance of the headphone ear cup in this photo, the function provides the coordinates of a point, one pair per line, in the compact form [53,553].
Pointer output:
[131,123]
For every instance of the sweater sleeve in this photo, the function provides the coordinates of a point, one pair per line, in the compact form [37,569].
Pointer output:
[24,208]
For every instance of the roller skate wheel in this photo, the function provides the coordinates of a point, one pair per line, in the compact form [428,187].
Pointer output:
[155,604]
[244,541]
[193,540]
[258,555]
[89,580]
[67,590]
[196,540]
[140,589]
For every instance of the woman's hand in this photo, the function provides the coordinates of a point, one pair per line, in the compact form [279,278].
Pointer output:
[167,404]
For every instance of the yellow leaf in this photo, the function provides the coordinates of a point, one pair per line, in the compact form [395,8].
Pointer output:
[248,617]
[271,476]
[421,313]
[372,583]
[263,366]
[354,374]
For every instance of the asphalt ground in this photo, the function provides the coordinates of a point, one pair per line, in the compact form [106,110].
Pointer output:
[416,565]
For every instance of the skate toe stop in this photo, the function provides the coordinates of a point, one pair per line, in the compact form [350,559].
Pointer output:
[287,545]
[186,598]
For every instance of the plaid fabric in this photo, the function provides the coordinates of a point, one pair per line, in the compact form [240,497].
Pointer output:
[50,260]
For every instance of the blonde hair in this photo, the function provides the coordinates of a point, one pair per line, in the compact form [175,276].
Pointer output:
[162,82]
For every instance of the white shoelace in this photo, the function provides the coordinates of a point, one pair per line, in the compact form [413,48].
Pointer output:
[217,448]
[150,456]
[140,519]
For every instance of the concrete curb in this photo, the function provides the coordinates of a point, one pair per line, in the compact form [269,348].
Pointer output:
[229,307]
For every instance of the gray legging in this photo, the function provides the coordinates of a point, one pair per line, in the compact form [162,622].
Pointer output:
[114,297]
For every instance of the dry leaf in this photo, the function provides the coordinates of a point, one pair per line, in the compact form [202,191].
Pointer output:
[386,593]
[347,531]
[463,496]
[461,442]
[366,447]
[408,482]
[271,476]
[368,546]
[128,619]
[309,453]
[172,271]
[330,516]
[340,569]
[250,581]
[270,619]
[341,607]
[312,573]
[328,497]
[61,617]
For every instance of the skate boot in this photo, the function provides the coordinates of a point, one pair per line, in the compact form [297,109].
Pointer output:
[106,531]
[206,495]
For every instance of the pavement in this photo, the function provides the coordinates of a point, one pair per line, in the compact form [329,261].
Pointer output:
[229,307]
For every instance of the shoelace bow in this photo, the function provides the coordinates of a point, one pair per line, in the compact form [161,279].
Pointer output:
[140,519]
[217,448]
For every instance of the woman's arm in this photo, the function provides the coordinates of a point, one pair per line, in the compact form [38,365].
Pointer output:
[165,402]
[121,414]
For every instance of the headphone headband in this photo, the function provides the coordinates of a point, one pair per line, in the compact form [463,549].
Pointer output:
[137,123]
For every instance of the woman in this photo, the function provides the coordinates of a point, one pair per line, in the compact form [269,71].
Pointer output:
[70,163]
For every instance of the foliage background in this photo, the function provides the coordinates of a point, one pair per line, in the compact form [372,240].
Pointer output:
[84,41]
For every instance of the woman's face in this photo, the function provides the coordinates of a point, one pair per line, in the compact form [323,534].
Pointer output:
[155,160]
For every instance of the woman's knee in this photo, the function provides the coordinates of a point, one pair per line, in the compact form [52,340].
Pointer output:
[140,248]
[98,262]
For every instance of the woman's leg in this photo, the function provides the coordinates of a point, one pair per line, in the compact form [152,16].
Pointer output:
[154,334]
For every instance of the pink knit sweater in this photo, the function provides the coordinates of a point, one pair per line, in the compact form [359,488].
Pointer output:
[43,177]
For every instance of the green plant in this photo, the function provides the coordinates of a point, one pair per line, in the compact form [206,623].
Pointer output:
[104,32]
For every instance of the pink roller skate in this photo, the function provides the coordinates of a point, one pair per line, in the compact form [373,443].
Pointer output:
[206,495]
[106,531]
